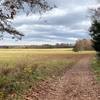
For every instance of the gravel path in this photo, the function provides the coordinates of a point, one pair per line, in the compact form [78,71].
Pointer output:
[76,84]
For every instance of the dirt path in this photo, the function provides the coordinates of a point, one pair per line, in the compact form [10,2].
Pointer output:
[76,84]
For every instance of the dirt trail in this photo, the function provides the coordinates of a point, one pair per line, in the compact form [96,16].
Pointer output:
[76,84]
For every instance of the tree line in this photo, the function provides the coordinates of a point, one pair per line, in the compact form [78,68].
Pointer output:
[80,45]
[43,46]
[83,45]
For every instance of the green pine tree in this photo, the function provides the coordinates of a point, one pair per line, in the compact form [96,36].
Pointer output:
[95,34]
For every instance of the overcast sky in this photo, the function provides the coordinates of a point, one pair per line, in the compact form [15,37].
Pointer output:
[66,23]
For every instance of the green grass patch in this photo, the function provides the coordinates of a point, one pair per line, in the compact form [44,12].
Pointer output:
[96,69]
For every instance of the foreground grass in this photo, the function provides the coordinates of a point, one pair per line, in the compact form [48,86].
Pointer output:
[19,72]
[96,69]
[14,81]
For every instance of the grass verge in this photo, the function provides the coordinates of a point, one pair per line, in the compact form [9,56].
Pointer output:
[96,69]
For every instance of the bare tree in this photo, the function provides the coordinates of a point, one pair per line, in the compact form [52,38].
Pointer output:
[9,8]
[82,45]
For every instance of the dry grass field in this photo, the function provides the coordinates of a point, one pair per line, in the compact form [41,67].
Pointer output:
[21,69]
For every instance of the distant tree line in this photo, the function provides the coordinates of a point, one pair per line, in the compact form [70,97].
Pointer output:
[58,45]
[82,45]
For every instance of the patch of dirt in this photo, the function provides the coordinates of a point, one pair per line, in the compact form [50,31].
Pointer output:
[78,83]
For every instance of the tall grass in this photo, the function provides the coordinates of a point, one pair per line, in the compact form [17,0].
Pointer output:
[22,73]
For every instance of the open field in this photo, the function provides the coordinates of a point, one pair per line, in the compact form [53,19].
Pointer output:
[16,52]
[21,69]
[12,55]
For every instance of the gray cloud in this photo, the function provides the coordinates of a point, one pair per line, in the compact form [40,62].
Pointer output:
[66,23]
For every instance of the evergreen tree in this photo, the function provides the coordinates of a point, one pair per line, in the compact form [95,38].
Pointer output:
[95,34]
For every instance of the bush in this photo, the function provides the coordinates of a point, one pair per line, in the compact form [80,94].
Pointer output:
[82,45]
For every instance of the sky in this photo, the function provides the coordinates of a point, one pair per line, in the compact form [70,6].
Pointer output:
[67,23]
